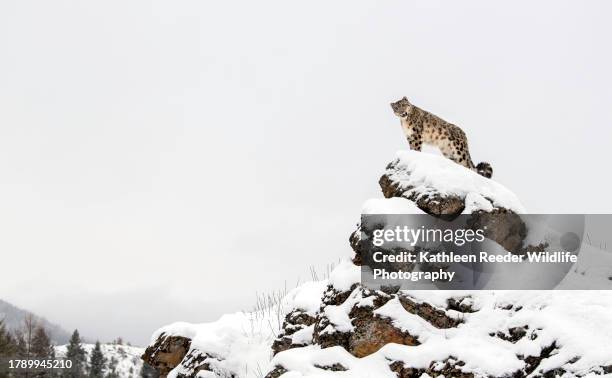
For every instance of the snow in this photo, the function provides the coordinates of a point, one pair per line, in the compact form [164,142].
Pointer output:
[176,329]
[303,336]
[307,297]
[345,275]
[427,173]
[307,362]
[592,271]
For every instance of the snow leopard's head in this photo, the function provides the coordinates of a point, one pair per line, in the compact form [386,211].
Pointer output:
[402,107]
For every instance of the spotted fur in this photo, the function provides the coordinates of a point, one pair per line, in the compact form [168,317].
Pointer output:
[422,127]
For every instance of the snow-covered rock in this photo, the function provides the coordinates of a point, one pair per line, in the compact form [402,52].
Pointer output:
[499,334]
[439,186]
[339,327]
[361,333]
[236,345]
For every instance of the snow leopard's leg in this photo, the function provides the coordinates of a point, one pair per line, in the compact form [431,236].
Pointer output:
[461,155]
[456,147]
[416,139]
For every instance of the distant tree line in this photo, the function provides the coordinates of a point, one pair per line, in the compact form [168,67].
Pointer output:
[32,342]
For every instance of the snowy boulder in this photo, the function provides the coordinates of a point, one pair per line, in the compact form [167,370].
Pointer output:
[438,186]
[421,183]
[359,320]
[338,326]
[239,344]
[457,334]
[364,333]
[166,352]
[219,349]
[296,331]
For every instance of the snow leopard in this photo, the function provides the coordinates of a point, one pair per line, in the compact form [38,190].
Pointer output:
[422,127]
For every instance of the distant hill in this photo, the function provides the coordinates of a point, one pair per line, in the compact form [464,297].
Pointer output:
[13,318]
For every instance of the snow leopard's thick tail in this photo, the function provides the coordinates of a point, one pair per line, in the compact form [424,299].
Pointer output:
[484,169]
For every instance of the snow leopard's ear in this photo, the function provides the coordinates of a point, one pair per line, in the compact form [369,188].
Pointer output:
[404,98]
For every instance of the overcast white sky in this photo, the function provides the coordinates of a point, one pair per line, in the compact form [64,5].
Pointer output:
[163,161]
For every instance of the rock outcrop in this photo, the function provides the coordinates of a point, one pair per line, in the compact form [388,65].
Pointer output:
[166,352]
[356,331]
[440,188]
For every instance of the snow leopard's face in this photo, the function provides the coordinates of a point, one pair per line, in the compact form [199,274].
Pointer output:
[401,108]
